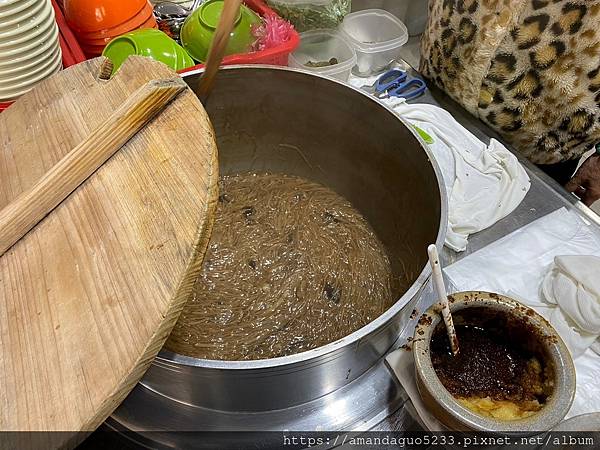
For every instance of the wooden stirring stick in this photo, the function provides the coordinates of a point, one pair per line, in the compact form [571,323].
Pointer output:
[24,212]
[220,40]
[440,289]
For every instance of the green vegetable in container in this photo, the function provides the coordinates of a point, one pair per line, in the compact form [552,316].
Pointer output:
[331,62]
[310,15]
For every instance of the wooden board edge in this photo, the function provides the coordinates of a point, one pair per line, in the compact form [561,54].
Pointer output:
[182,294]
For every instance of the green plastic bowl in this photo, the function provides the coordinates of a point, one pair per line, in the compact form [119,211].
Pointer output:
[198,30]
[150,43]
[183,58]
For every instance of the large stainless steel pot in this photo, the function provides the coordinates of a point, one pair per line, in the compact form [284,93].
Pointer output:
[281,120]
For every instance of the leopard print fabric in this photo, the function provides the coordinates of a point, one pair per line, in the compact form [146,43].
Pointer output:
[528,68]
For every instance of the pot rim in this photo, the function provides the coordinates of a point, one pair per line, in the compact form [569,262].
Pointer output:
[556,407]
[168,357]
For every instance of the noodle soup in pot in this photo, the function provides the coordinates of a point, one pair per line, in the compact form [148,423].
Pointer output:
[290,266]
[318,223]
[353,248]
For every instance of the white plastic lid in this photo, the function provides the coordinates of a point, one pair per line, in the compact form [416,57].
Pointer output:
[374,30]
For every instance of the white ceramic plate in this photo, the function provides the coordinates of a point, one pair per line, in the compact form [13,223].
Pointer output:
[26,39]
[5,3]
[7,21]
[18,7]
[29,63]
[19,49]
[41,45]
[21,88]
[8,79]
[28,24]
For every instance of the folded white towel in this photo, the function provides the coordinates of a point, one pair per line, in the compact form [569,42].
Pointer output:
[576,340]
[572,291]
[484,183]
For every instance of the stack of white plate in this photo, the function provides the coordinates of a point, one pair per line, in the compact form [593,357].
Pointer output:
[29,46]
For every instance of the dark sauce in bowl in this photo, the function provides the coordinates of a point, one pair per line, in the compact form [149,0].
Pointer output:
[501,358]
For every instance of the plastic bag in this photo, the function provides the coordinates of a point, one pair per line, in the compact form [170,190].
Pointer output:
[312,14]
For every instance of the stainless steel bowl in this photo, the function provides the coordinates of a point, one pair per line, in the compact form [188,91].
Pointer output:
[283,120]
[457,417]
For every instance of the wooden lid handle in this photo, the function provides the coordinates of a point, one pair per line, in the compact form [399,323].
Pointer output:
[29,208]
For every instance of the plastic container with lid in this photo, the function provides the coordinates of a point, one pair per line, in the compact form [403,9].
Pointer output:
[325,52]
[377,36]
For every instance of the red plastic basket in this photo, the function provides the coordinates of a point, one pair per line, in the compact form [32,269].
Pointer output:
[277,56]
[71,52]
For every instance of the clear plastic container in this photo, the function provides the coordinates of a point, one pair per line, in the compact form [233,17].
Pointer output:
[413,13]
[325,52]
[377,36]
[308,15]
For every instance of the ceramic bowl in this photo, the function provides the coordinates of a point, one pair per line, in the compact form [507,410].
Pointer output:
[540,336]
[96,42]
[150,43]
[28,62]
[150,23]
[36,54]
[198,30]
[95,47]
[184,60]
[91,51]
[7,3]
[40,60]
[140,20]
[96,15]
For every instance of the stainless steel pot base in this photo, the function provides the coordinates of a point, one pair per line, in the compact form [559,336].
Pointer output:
[358,406]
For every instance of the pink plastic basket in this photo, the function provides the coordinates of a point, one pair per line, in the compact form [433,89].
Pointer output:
[277,56]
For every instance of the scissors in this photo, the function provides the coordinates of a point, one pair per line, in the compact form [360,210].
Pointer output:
[397,83]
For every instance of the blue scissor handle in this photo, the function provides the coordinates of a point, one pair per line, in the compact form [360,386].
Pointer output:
[389,80]
[408,89]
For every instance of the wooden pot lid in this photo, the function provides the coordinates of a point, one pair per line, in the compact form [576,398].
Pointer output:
[88,296]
